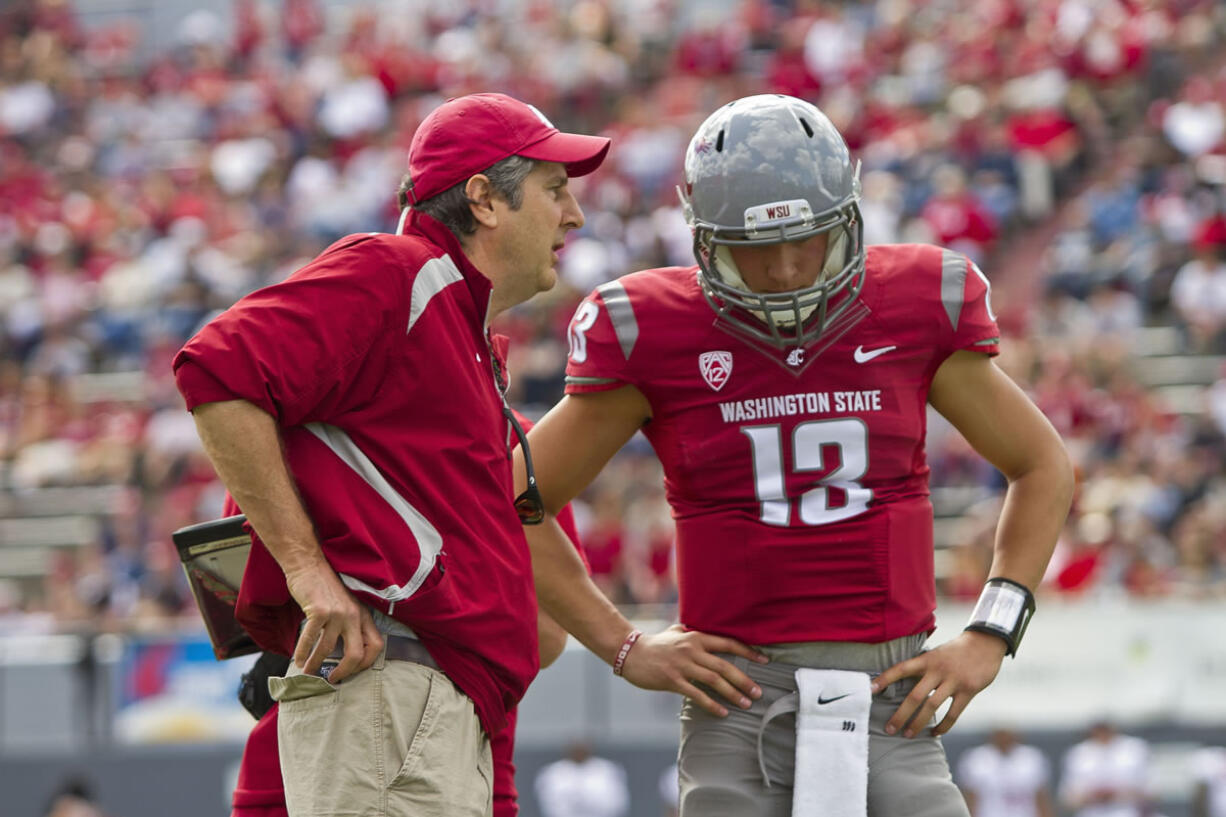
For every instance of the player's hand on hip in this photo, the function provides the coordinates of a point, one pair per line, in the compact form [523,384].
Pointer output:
[956,671]
[678,660]
[332,614]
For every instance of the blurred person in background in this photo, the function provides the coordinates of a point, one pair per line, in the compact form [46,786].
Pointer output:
[1106,775]
[1198,295]
[75,798]
[669,786]
[1005,778]
[139,192]
[387,554]
[1209,771]
[783,383]
[582,785]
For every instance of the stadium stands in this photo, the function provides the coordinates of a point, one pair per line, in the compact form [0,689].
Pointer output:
[155,169]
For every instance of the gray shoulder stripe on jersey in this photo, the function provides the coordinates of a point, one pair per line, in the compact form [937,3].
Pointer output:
[434,276]
[953,284]
[986,342]
[621,313]
[590,381]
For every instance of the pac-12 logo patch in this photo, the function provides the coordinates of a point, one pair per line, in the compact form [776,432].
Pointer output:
[716,368]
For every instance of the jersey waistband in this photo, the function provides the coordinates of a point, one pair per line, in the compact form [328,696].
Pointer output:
[845,655]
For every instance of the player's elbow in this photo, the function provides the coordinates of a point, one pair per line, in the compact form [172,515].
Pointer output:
[1058,468]
[1066,479]
[1048,464]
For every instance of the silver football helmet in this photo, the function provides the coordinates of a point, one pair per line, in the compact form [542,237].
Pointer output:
[765,170]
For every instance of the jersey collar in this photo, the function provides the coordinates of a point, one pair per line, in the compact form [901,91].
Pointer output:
[428,228]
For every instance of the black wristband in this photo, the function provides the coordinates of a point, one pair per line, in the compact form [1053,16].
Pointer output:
[1004,609]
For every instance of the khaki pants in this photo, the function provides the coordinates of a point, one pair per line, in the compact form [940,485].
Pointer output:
[396,739]
[718,763]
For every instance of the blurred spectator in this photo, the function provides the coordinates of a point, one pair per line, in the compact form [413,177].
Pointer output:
[1073,148]
[1043,137]
[1005,778]
[1209,771]
[1071,257]
[74,799]
[1198,296]
[1106,775]
[670,791]
[956,216]
[1196,123]
[582,785]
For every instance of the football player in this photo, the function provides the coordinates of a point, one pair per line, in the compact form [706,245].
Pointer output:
[783,382]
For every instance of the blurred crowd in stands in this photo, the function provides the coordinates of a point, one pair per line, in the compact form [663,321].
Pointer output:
[1076,149]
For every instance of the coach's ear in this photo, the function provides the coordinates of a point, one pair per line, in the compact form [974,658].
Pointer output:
[480,193]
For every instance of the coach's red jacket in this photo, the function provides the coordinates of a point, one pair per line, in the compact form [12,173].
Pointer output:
[375,362]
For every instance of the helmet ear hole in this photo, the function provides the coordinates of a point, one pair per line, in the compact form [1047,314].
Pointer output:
[719,141]
[804,123]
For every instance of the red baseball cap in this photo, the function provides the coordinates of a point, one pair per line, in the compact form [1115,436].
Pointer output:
[468,134]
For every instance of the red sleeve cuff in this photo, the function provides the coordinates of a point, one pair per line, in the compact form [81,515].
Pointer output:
[199,386]
[988,344]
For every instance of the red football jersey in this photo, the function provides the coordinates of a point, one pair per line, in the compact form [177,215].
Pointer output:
[797,477]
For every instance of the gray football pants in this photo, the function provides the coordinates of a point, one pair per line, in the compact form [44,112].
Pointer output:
[720,772]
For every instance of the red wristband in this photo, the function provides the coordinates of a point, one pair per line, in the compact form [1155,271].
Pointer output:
[620,660]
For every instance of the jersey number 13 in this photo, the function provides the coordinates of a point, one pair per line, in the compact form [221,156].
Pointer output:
[808,440]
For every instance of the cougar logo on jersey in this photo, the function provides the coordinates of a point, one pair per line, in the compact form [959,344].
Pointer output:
[716,368]
[796,357]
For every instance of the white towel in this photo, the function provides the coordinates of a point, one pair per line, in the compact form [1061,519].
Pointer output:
[831,744]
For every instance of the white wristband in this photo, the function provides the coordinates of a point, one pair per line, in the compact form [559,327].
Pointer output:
[1003,610]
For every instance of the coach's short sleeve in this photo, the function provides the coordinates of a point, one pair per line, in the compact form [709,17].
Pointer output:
[295,348]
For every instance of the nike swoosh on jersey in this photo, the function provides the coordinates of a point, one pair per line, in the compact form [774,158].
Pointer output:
[822,701]
[862,356]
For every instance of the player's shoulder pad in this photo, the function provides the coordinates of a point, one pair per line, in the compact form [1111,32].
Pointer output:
[962,283]
[620,309]
[634,298]
[928,274]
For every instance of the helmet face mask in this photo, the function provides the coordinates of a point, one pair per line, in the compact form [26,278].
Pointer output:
[766,170]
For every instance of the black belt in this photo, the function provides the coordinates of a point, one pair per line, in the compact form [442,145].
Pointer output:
[399,648]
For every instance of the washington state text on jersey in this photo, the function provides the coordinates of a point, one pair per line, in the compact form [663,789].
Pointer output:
[811,402]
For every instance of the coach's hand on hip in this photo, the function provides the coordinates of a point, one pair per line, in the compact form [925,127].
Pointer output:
[331,613]
[679,659]
[956,671]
